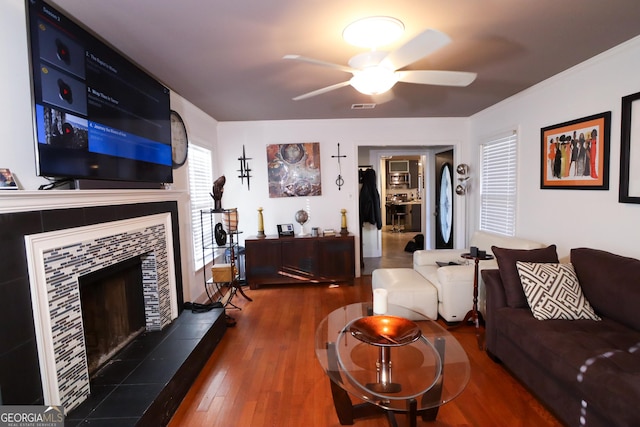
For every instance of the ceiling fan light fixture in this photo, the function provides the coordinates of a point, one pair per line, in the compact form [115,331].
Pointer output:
[374,80]
[373,31]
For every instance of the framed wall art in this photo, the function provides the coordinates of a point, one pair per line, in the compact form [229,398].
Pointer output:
[294,170]
[630,150]
[575,154]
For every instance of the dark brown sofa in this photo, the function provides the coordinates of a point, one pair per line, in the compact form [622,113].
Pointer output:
[587,372]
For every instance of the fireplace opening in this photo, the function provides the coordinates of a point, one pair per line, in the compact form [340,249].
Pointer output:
[113,312]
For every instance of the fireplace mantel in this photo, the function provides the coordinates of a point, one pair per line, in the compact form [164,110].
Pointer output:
[27,200]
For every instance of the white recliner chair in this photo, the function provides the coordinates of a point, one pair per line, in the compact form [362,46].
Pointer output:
[407,288]
[453,284]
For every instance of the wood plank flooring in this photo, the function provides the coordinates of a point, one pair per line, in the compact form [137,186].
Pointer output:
[265,373]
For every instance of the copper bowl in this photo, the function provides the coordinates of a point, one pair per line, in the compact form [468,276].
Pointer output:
[383,330]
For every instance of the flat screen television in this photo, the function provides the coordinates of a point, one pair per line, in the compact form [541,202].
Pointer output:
[97,115]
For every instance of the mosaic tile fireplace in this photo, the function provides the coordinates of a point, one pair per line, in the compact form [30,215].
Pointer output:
[57,259]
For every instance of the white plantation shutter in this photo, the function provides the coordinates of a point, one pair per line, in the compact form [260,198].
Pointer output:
[200,183]
[498,185]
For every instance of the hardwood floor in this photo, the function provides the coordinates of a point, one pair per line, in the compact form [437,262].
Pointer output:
[265,373]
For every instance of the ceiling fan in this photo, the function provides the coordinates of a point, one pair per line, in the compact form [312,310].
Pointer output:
[376,72]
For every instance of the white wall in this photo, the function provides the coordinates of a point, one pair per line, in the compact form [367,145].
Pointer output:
[350,133]
[17,140]
[16,143]
[570,218]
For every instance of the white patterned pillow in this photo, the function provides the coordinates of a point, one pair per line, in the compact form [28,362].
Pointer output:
[553,291]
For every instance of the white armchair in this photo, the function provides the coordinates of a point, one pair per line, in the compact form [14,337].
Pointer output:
[454,283]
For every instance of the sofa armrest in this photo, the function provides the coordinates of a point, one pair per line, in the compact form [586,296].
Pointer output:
[430,256]
[495,299]
[455,287]
[455,275]
[452,277]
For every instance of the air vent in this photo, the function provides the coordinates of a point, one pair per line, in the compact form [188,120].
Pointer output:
[370,106]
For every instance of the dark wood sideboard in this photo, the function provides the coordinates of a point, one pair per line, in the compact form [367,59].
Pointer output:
[285,260]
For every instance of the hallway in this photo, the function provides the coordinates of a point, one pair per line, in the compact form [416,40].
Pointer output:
[393,253]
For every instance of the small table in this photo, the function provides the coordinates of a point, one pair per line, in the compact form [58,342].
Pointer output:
[474,314]
[414,382]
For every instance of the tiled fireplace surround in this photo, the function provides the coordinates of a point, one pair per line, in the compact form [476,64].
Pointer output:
[57,259]
[72,242]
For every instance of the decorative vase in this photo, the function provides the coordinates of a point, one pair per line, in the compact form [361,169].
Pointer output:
[343,223]
[260,224]
[230,220]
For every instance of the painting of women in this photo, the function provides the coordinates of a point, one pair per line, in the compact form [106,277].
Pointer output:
[593,153]
[581,156]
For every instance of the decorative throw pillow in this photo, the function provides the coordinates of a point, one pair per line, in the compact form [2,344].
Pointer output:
[507,258]
[553,291]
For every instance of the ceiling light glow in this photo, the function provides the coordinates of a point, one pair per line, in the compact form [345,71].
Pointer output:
[373,31]
[374,80]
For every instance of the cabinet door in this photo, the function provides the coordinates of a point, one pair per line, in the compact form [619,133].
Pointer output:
[263,259]
[299,258]
[336,255]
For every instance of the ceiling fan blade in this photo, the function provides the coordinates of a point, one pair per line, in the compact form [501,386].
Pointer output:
[322,90]
[319,62]
[436,77]
[417,48]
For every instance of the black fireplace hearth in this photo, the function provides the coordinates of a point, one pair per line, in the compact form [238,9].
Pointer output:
[145,382]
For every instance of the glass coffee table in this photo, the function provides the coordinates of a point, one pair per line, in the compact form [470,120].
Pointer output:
[414,370]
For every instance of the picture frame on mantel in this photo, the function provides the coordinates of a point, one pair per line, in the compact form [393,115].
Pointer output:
[630,150]
[575,154]
[6,180]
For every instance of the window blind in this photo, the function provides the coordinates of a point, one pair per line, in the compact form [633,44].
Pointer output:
[498,185]
[200,184]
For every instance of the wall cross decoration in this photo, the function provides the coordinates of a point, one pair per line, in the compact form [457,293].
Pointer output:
[339,180]
[244,169]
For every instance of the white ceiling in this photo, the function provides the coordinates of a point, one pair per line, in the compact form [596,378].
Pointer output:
[225,56]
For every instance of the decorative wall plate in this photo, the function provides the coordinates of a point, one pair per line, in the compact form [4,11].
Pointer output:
[220,234]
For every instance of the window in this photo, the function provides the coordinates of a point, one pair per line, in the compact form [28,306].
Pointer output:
[498,185]
[200,183]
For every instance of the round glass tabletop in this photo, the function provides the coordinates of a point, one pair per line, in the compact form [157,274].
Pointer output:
[432,369]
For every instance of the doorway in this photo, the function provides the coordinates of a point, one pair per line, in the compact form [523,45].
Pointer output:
[385,248]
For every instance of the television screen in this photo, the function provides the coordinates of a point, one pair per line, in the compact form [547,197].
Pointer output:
[97,115]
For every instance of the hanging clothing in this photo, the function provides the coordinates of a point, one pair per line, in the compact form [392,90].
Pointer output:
[370,210]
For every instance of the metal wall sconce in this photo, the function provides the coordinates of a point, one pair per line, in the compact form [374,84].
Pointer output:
[339,180]
[244,169]
[463,170]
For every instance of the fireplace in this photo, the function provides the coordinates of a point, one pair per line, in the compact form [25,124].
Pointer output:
[57,260]
[112,304]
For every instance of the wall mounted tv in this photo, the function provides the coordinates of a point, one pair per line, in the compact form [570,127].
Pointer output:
[97,115]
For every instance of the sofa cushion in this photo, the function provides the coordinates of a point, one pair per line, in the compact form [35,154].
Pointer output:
[611,283]
[553,291]
[507,258]
[598,362]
